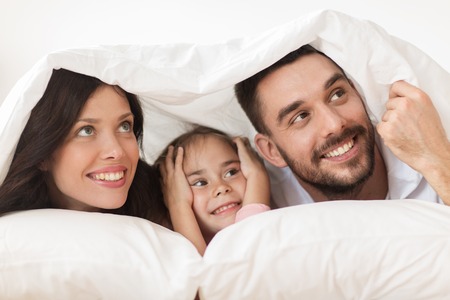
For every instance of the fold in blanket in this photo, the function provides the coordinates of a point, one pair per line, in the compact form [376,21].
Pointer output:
[181,83]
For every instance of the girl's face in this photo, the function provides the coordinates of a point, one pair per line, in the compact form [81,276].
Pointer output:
[212,168]
[94,167]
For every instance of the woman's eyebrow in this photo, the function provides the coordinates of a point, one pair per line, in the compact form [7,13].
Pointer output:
[95,120]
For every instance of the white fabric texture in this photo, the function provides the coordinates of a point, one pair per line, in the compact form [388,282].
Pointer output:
[194,82]
[333,250]
[342,250]
[64,254]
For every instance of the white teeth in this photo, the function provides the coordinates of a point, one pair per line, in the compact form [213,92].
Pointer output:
[109,176]
[222,208]
[341,150]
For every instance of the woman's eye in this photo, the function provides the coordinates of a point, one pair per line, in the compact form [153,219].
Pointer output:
[86,131]
[231,172]
[199,183]
[337,95]
[126,127]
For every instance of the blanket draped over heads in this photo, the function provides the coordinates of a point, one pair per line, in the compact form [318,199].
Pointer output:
[193,83]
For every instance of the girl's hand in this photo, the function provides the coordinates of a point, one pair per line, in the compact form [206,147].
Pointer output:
[178,198]
[251,163]
[252,167]
[176,188]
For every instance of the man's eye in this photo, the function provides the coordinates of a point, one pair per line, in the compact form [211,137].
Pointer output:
[337,95]
[126,127]
[300,116]
[86,131]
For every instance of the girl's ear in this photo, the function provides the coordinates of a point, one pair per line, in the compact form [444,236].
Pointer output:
[269,150]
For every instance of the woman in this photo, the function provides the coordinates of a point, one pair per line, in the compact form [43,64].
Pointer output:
[80,150]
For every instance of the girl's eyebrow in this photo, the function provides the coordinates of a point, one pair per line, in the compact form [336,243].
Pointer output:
[197,172]
[229,162]
[224,164]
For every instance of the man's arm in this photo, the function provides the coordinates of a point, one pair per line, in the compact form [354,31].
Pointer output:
[412,129]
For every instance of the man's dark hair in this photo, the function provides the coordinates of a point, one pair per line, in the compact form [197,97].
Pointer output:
[246,90]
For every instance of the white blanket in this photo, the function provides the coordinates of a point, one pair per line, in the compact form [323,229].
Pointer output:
[179,83]
[194,82]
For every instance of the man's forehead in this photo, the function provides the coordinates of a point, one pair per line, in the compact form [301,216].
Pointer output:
[308,70]
[308,66]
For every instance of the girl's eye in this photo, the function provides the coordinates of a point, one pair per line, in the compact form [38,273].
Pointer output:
[231,172]
[126,127]
[86,131]
[336,96]
[199,183]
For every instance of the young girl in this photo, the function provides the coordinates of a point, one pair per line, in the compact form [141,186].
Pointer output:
[80,151]
[211,181]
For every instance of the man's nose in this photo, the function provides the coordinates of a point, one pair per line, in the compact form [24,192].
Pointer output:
[331,121]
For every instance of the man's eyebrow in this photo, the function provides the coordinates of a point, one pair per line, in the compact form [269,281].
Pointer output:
[287,110]
[296,104]
[333,79]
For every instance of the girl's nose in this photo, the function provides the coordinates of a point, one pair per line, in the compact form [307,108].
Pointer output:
[222,189]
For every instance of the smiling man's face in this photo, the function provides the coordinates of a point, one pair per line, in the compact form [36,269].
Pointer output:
[318,126]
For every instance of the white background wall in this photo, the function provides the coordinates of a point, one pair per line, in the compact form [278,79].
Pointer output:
[29,29]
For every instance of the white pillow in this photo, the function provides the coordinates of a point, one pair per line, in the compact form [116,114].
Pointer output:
[63,254]
[334,250]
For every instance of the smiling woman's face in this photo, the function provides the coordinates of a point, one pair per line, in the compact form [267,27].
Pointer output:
[94,168]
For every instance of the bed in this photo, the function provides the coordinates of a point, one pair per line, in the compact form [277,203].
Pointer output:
[395,249]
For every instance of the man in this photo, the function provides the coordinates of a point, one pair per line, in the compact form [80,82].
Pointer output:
[310,117]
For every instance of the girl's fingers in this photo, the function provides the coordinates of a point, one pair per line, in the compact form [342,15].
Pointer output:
[179,158]
[169,158]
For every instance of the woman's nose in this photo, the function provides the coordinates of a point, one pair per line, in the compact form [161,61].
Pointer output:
[112,149]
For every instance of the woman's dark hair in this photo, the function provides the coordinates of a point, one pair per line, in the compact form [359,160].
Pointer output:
[50,122]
